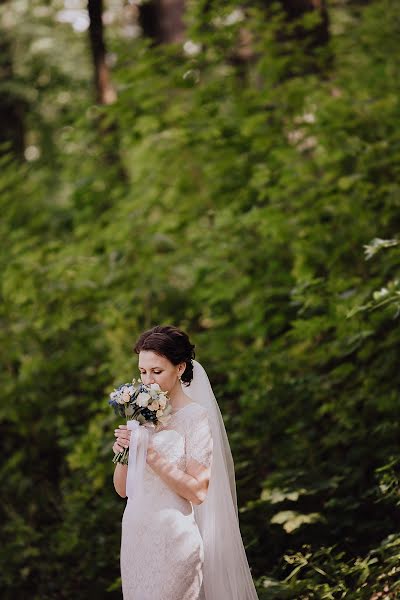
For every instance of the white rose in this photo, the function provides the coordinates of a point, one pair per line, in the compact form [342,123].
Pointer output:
[155,387]
[126,396]
[154,405]
[162,401]
[143,399]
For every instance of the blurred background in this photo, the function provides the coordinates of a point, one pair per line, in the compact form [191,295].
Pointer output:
[232,168]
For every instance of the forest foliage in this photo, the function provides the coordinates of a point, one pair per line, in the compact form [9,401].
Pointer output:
[254,204]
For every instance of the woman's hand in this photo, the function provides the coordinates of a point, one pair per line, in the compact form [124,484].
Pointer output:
[123,434]
[151,455]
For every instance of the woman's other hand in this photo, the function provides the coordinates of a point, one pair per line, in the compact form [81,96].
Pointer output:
[123,434]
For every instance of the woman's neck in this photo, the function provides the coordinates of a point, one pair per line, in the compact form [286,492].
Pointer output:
[177,396]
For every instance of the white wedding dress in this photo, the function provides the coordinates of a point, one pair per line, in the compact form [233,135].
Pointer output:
[162,552]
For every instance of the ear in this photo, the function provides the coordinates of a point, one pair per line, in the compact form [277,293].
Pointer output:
[181,369]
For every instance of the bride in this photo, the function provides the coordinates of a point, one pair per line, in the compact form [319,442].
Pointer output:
[180,529]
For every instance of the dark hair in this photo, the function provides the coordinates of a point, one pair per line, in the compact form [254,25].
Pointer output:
[172,343]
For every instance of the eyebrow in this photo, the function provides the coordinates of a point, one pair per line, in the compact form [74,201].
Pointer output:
[152,368]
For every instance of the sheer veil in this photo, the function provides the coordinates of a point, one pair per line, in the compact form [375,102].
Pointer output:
[226,572]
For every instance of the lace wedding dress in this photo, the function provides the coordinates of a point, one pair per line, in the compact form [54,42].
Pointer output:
[162,552]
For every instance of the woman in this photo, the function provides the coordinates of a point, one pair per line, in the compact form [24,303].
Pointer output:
[186,543]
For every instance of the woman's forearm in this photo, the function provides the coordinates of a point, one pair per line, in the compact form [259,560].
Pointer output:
[181,483]
[120,473]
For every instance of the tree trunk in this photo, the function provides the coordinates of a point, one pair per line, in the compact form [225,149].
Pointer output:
[12,108]
[319,34]
[108,130]
[162,20]
[311,38]
[105,93]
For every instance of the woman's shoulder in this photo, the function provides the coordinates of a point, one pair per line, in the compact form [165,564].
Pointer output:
[192,411]
[189,407]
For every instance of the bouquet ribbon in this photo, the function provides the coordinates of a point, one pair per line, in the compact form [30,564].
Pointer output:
[138,444]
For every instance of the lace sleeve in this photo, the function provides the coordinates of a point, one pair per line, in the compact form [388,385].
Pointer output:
[199,444]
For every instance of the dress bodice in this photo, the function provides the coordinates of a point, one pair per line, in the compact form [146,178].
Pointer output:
[187,436]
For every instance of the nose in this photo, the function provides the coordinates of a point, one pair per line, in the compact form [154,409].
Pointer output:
[148,379]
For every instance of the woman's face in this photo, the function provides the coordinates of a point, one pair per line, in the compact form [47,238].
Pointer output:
[158,369]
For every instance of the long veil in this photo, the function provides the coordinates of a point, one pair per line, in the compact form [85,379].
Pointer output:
[226,572]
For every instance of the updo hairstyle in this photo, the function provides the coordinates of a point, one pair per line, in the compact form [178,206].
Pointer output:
[173,344]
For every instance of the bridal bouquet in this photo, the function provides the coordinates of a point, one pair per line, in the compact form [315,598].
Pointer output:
[148,404]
